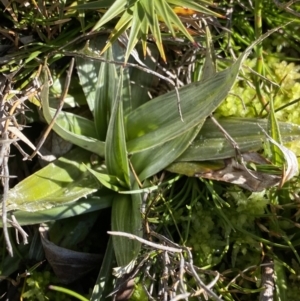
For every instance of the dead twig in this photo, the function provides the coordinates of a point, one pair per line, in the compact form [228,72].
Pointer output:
[267,280]
[286,6]
[144,241]
[167,268]
[5,183]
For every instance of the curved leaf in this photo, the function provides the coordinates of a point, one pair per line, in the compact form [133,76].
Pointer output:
[153,25]
[171,19]
[86,142]
[124,23]
[109,181]
[75,124]
[137,20]
[126,217]
[62,181]
[211,144]
[115,146]
[153,160]
[115,9]
[88,70]
[83,206]
[143,15]
[105,95]
[149,125]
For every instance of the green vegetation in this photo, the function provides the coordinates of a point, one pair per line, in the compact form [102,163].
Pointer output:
[172,125]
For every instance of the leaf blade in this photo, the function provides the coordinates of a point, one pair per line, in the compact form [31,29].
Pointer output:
[62,181]
[126,217]
[210,144]
[86,142]
[115,9]
[115,145]
[105,95]
[153,160]
[149,126]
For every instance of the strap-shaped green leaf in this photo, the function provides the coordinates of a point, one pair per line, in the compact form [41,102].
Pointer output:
[85,141]
[98,80]
[153,160]
[109,181]
[124,23]
[104,282]
[150,125]
[88,70]
[154,27]
[277,156]
[82,206]
[105,95]
[136,11]
[63,181]
[126,217]
[137,19]
[115,8]
[211,144]
[126,214]
[75,124]
[115,145]
[171,19]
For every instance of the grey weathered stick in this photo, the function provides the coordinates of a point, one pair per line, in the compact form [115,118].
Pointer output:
[19,229]
[267,280]
[234,145]
[5,181]
[181,273]
[144,241]
[190,265]
[286,6]
[201,283]
[181,296]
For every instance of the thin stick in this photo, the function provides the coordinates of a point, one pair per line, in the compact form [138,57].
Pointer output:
[5,182]
[234,145]
[11,113]
[165,239]
[181,274]
[19,229]
[101,59]
[4,155]
[181,296]
[197,278]
[144,241]
[19,148]
[59,108]
[159,66]
[267,280]
[286,7]
[135,175]
[227,136]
